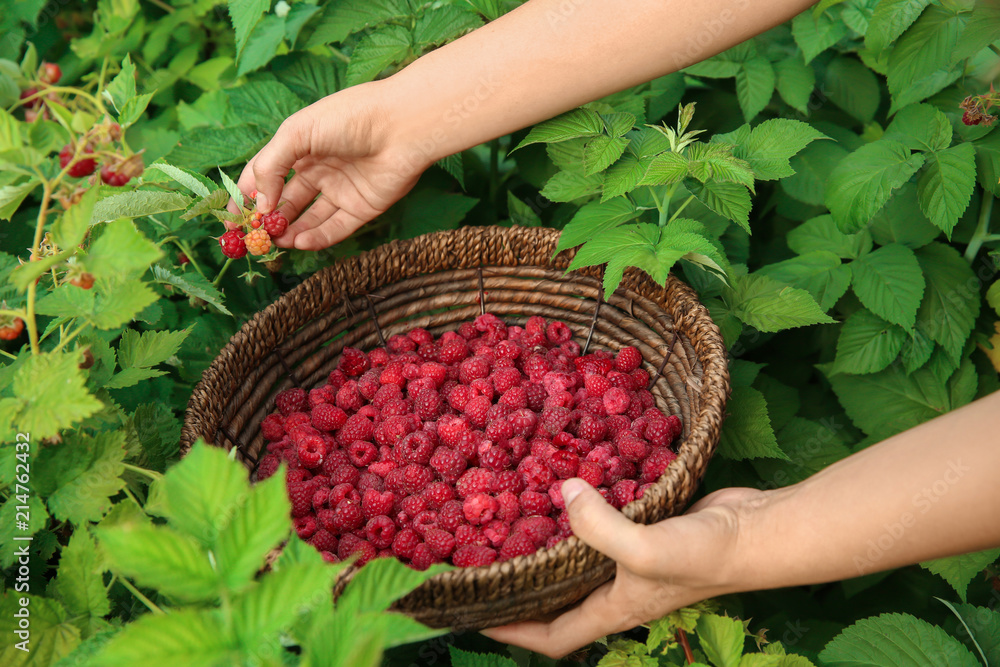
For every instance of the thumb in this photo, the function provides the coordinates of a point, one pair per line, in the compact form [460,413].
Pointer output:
[274,161]
[598,523]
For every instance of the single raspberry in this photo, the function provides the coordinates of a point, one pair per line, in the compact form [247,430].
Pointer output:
[347,516]
[441,542]
[475,480]
[537,528]
[616,401]
[509,480]
[321,499]
[564,464]
[353,362]
[275,223]
[451,516]
[232,244]
[473,556]
[300,494]
[554,420]
[413,505]
[324,540]
[623,492]
[416,477]
[424,521]
[536,395]
[970,118]
[50,73]
[369,383]
[628,359]
[349,397]
[356,428]
[536,474]
[622,381]
[328,417]
[590,472]
[111,176]
[423,557]
[81,168]
[656,464]
[640,378]
[453,351]
[404,543]
[495,458]
[534,503]
[273,427]
[632,448]
[437,494]
[475,368]
[427,405]
[480,508]
[361,453]
[658,432]
[558,332]
[448,463]
[596,385]
[476,410]
[311,450]
[380,531]
[268,466]
[258,242]
[496,531]
[517,544]
[305,527]
[12,330]
[676,426]
[510,508]
[469,535]
[375,503]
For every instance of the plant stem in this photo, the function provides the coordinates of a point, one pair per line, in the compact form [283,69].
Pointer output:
[13,313]
[8,354]
[164,6]
[982,228]
[680,208]
[150,605]
[190,255]
[39,232]
[222,272]
[69,337]
[682,639]
[340,55]
[151,474]
[994,49]
[664,204]
[57,89]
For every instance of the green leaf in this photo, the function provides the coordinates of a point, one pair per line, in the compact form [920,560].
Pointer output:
[993,296]
[623,176]
[867,344]
[233,189]
[768,305]
[340,19]
[721,639]
[11,197]
[981,30]
[376,51]
[565,186]
[917,350]
[852,87]
[161,558]
[815,34]
[263,44]
[426,211]
[122,88]
[200,494]
[895,639]
[754,86]
[959,571]
[890,19]
[864,180]
[810,445]
[209,147]
[795,82]
[460,658]
[245,14]
[50,388]
[444,24]
[376,588]
[79,583]
[730,200]
[924,88]
[747,432]
[38,517]
[81,475]
[52,634]
[821,233]
[901,221]
[120,251]
[257,525]
[950,306]
[600,152]
[83,655]
[920,127]
[812,167]
[924,48]
[570,125]
[608,244]
[664,169]
[619,123]
[594,219]
[149,348]
[890,283]
[191,284]
[771,144]
[946,184]
[454,165]
[983,626]
[71,227]
[987,162]
[189,637]
[133,109]
[818,272]
[136,204]
[521,213]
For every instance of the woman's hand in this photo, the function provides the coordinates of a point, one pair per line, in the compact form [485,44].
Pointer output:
[661,567]
[349,167]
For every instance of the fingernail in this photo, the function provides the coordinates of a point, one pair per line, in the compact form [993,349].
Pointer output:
[571,488]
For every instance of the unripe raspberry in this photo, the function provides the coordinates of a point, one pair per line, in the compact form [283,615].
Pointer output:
[50,73]
[258,242]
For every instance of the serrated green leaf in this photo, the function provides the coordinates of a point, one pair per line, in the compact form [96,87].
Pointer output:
[863,181]
[771,144]
[444,24]
[130,377]
[987,162]
[901,221]
[917,350]
[79,583]
[38,516]
[136,204]
[768,305]
[890,283]
[11,197]
[570,125]
[959,571]
[993,296]
[950,307]
[460,658]
[983,625]
[149,348]
[600,152]
[521,213]
[730,200]
[53,397]
[754,86]
[810,445]
[981,29]
[594,219]
[890,19]
[618,123]
[233,189]
[747,433]
[191,284]
[895,639]
[82,475]
[263,44]
[193,181]
[340,19]
[721,639]
[795,82]
[376,589]
[565,186]
[818,272]
[946,184]
[920,127]
[376,51]
[821,233]
[725,64]
[120,251]
[665,168]
[454,165]
[815,34]
[71,227]
[245,14]
[852,87]
[812,166]
[189,637]
[209,147]
[257,525]
[122,88]
[623,176]
[610,243]
[867,344]
[52,634]
[924,47]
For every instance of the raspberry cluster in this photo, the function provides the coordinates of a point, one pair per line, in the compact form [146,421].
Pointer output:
[117,170]
[254,233]
[455,448]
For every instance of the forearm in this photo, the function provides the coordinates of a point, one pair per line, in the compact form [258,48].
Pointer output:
[549,56]
[920,495]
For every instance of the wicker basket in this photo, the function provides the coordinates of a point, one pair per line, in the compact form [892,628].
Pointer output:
[437,281]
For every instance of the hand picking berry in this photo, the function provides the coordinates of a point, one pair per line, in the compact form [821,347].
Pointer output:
[456,448]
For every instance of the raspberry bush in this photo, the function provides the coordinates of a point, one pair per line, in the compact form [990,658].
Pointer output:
[827,188]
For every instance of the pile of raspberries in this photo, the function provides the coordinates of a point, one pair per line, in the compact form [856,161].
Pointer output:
[454,449]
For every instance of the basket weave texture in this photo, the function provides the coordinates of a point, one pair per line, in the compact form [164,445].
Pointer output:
[437,281]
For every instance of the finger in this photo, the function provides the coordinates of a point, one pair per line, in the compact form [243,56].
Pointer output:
[334,230]
[318,213]
[275,160]
[599,524]
[246,185]
[297,195]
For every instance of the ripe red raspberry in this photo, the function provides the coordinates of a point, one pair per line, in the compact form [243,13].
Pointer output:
[536,395]
[476,368]
[110,176]
[676,427]
[656,464]
[537,528]
[596,385]
[632,448]
[509,480]
[324,540]
[361,453]
[427,405]
[473,556]
[404,543]
[591,428]
[453,351]
[517,544]
[327,417]
[423,557]
[628,359]
[437,494]
[353,362]
[268,466]
[480,508]
[640,378]
[616,401]
[623,492]
[467,534]
[290,400]
[305,527]
[534,503]
[475,480]
[232,244]
[273,427]
[347,516]
[356,428]
[311,450]
[380,531]
[448,463]
[658,432]
[535,473]
[621,380]
[300,494]
[564,464]
[554,420]
[275,223]
[591,472]
[416,478]
[81,169]
[369,383]
[353,545]
[496,531]
[476,410]
[441,542]
[375,503]
[321,499]
[558,332]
